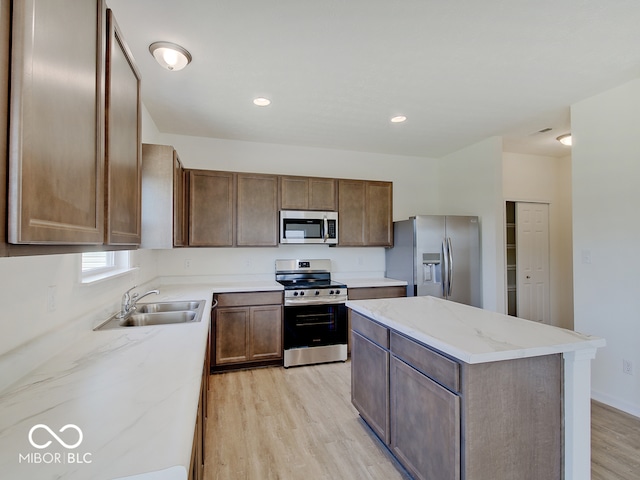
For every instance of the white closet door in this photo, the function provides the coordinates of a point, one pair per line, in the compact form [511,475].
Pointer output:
[532,270]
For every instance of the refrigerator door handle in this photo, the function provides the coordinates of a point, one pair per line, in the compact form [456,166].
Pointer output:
[445,269]
[450,275]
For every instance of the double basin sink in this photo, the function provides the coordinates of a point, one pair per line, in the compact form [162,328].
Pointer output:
[158,313]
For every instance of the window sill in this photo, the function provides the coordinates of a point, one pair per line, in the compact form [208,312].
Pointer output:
[102,276]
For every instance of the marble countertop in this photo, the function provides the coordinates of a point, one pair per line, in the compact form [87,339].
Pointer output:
[132,393]
[470,334]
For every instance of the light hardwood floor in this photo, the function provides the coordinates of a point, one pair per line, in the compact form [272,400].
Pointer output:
[299,424]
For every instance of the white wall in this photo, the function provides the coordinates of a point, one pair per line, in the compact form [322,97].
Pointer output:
[471,184]
[606,237]
[533,178]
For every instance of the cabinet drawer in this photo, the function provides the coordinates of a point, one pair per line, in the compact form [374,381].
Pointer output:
[246,299]
[369,329]
[436,366]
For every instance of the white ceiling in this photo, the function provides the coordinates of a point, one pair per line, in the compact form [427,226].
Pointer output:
[337,70]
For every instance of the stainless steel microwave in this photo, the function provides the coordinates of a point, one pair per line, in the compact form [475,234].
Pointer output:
[304,226]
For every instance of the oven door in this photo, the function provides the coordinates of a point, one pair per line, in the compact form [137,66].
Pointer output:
[315,325]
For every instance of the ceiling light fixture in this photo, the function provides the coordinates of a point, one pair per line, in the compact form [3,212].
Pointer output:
[398,119]
[565,139]
[170,56]
[261,101]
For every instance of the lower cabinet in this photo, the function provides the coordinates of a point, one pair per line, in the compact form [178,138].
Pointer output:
[247,329]
[425,435]
[196,470]
[370,384]
[448,420]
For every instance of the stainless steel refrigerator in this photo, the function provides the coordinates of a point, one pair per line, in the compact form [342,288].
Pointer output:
[437,255]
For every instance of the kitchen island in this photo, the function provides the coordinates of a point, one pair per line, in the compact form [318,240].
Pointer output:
[460,392]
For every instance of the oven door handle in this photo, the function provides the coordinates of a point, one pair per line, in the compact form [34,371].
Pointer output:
[312,324]
[307,301]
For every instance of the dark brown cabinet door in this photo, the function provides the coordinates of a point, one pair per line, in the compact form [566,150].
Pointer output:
[322,194]
[211,208]
[56,187]
[370,384]
[265,334]
[425,424]
[351,212]
[365,210]
[123,153]
[308,193]
[257,210]
[294,193]
[231,335]
[379,214]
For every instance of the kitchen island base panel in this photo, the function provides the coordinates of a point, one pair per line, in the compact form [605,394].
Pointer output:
[511,413]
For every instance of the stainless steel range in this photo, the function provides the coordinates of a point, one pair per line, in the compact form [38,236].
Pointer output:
[315,315]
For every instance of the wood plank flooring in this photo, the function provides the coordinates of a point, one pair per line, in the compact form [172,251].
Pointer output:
[299,424]
[615,444]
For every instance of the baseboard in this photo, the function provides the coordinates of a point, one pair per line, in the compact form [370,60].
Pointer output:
[631,409]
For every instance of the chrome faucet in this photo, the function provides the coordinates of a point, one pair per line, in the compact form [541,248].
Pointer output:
[128,304]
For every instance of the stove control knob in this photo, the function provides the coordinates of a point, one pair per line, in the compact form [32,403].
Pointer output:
[295,294]
[331,292]
[301,294]
[317,292]
[337,292]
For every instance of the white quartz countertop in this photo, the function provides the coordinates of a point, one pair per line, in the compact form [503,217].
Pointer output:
[470,334]
[131,392]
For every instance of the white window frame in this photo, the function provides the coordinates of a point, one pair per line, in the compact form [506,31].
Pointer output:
[113,264]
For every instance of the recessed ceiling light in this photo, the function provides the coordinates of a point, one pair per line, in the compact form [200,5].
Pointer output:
[565,139]
[398,119]
[170,56]
[261,102]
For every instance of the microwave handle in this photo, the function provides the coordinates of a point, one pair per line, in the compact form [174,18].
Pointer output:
[326,229]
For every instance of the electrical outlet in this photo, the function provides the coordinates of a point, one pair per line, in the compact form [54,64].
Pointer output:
[586,257]
[627,367]
[187,264]
[52,291]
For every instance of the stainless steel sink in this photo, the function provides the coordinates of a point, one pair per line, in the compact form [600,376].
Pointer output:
[166,307]
[159,313]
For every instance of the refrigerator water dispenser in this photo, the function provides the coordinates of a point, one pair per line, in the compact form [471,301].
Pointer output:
[431,271]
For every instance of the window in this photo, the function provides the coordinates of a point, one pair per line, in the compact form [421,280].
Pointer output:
[100,265]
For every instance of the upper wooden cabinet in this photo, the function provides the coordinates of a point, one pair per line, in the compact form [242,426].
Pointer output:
[257,210]
[74,128]
[163,202]
[56,153]
[308,193]
[5,24]
[211,208]
[123,143]
[365,213]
